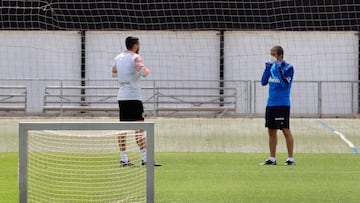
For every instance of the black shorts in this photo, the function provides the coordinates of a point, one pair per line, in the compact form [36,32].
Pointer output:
[277,117]
[131,110]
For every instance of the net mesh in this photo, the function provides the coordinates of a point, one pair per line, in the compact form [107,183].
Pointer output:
[184,14]
[183,42]
[83,166]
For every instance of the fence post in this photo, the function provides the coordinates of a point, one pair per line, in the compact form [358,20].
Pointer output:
[249,96]
[26,95]
[319,98]
[61,98]
[155,98]
[254,109]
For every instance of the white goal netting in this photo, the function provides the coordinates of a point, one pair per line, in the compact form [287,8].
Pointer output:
[83,166]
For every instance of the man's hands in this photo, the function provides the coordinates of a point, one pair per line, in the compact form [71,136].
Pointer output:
[278,64]
[114,72]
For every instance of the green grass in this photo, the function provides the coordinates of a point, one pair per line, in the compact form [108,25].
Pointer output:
[8,177]
[236,177]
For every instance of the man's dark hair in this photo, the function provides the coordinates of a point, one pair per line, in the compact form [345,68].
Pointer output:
[279,50]
[131,41]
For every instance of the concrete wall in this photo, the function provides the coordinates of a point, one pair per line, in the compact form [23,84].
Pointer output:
[190,55]
[316,56]
[41,55]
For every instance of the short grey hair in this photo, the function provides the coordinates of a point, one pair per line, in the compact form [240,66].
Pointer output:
[279,50]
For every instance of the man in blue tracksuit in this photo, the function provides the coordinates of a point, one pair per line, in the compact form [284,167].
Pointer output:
[279,75]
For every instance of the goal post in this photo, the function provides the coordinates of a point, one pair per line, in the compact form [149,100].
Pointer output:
[26,127]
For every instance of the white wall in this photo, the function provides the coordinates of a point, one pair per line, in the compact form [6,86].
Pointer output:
[316,56]
[38,54]
[190,55]
[169,55]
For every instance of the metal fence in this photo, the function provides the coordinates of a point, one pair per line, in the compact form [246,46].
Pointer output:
[176,98]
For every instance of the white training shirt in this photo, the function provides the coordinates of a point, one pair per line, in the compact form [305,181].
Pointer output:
[130,68]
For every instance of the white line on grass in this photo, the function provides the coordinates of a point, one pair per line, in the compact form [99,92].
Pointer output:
[350,144]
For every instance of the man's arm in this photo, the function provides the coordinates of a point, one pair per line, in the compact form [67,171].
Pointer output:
[114,71]
[285,75]
[266,74]
[140,67]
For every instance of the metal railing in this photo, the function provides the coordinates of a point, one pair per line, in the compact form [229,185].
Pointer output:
[13,98]
[239,97]
[320,98]
[159,99]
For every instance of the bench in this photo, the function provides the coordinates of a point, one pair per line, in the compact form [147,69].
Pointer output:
[157,99]
[13,98]
[70,98]
[196,99]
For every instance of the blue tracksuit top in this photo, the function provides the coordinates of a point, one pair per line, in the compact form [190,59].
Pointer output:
[279,76]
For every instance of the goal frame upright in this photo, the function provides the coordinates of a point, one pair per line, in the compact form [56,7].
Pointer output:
[24,127]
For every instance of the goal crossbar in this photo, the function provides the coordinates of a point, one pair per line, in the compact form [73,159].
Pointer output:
[24,127]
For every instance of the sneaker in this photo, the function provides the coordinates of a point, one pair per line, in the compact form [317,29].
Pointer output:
[290,163]
[126,164]
[269,162]
[143,163]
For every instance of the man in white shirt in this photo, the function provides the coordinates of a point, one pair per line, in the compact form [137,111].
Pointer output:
[128,67]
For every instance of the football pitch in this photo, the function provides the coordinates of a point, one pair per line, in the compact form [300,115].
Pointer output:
[236,177]
[217,160]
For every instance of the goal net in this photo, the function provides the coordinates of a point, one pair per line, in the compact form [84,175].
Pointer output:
[80,162]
